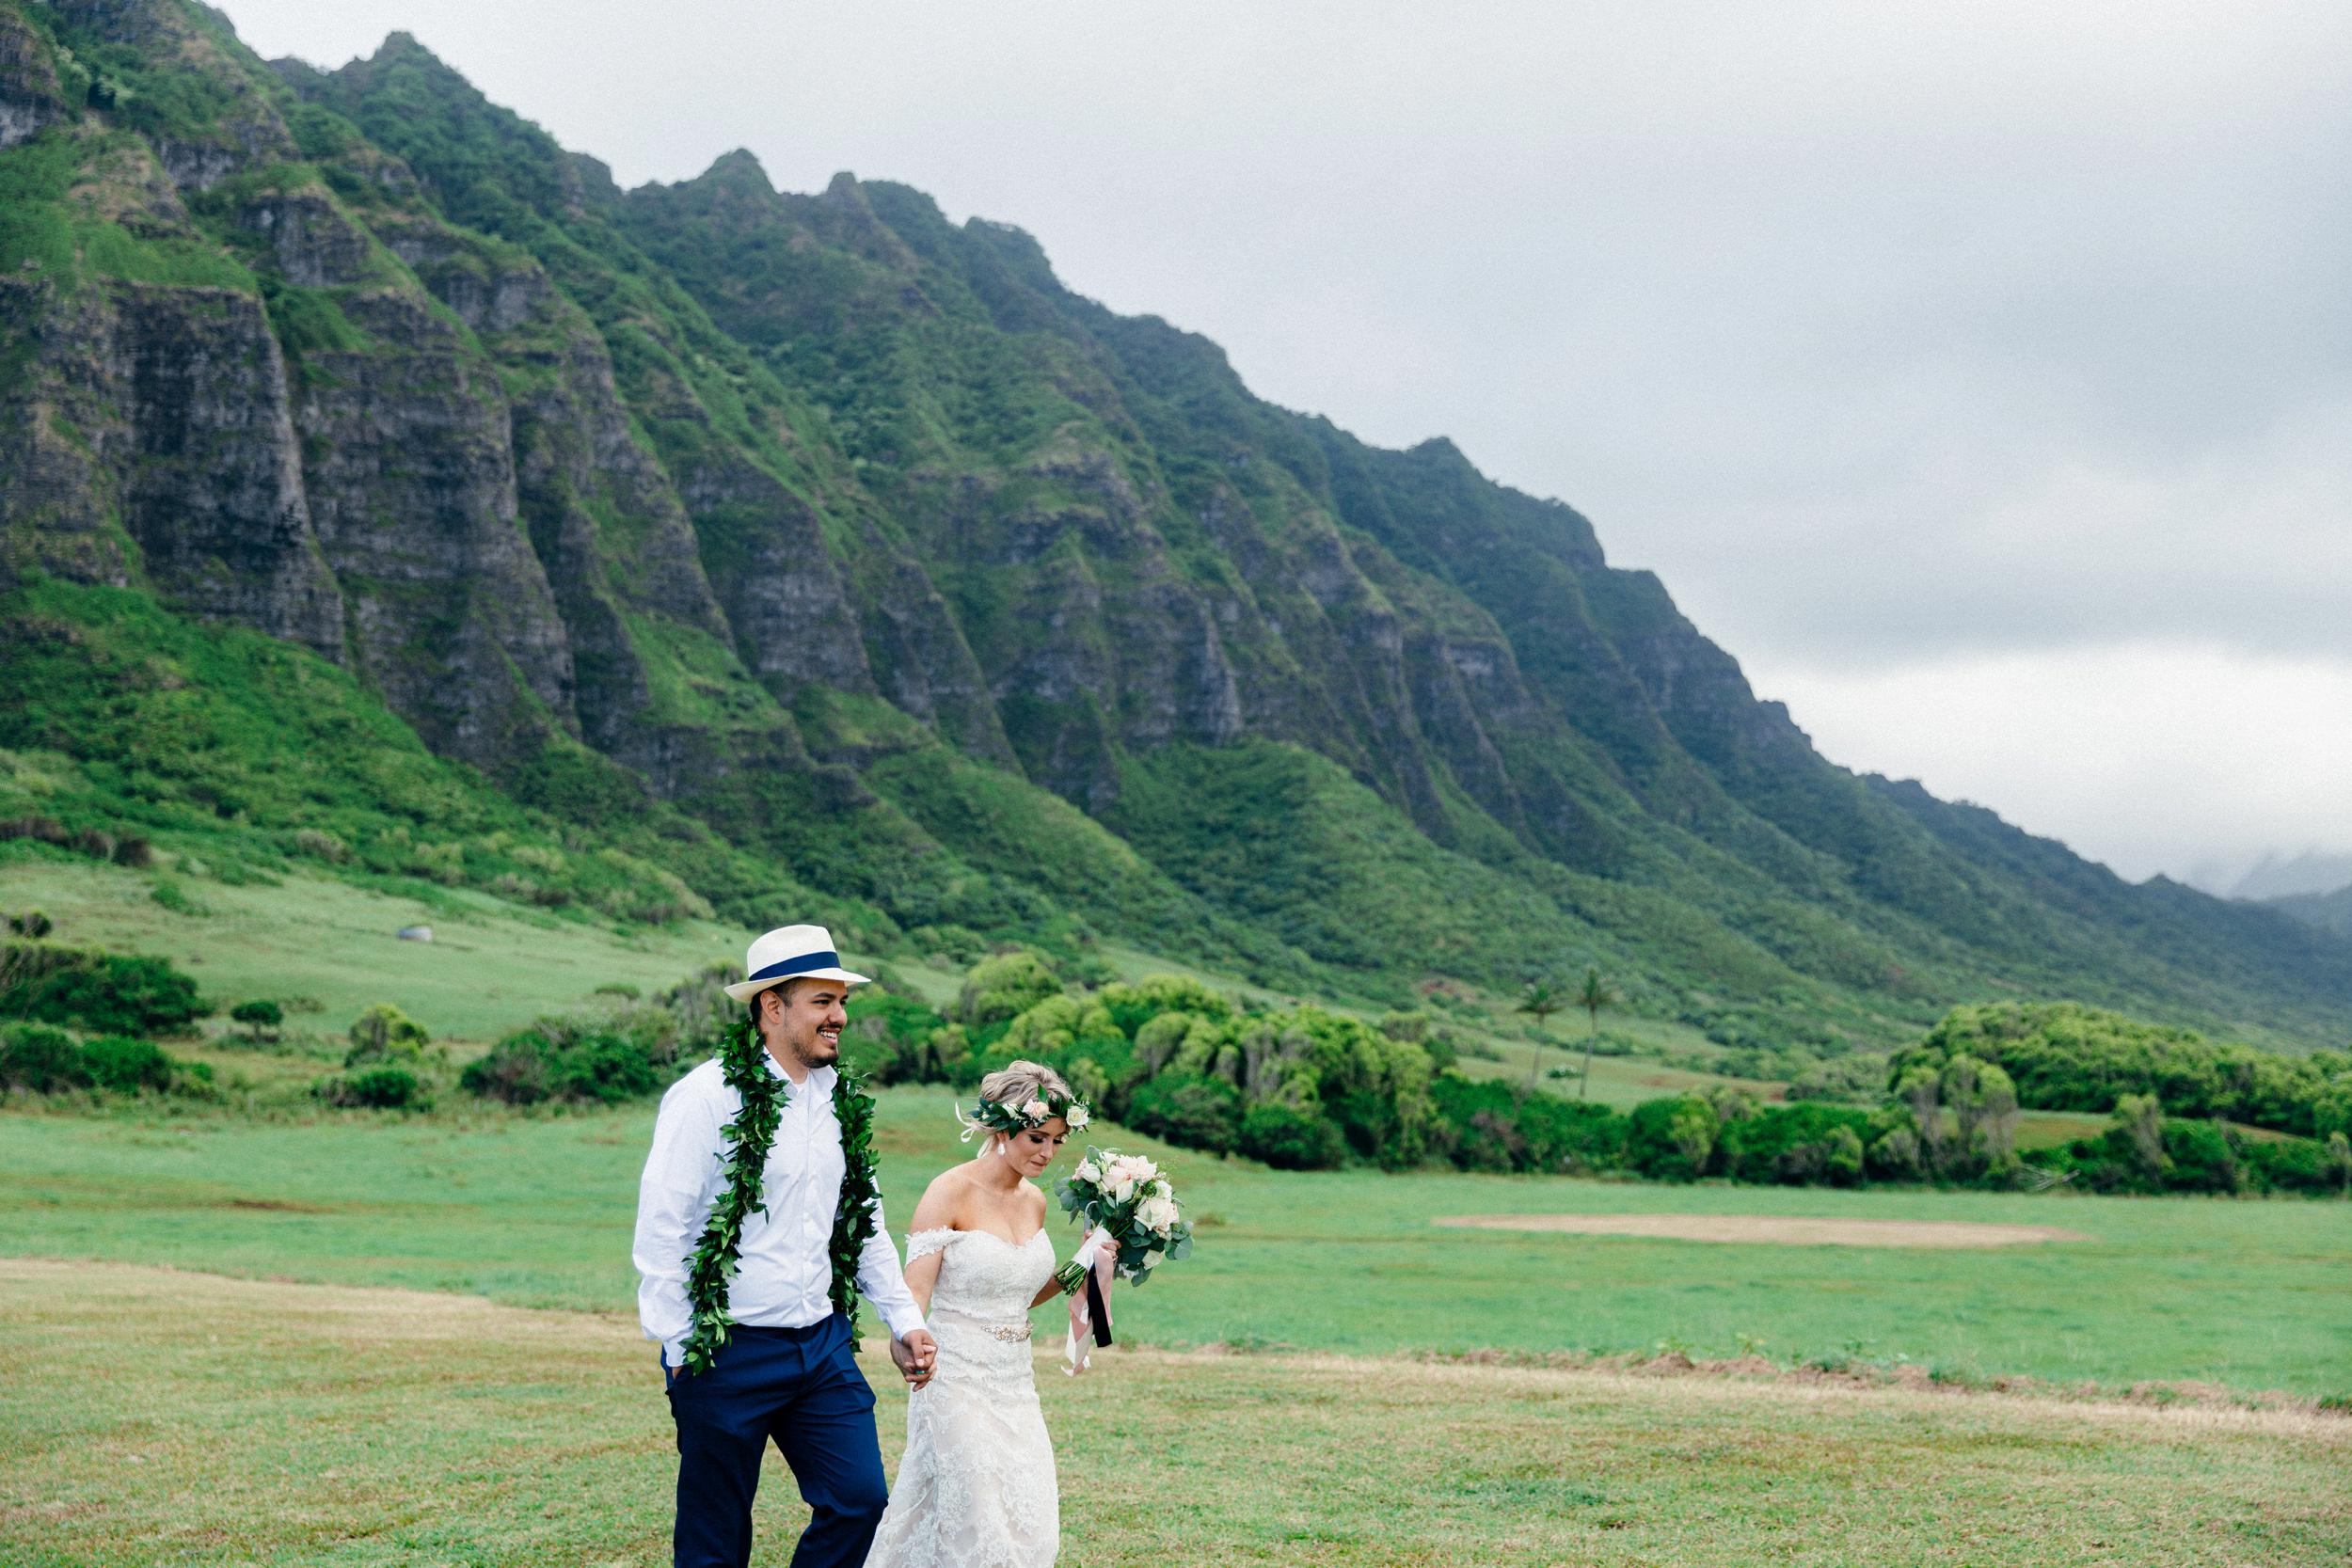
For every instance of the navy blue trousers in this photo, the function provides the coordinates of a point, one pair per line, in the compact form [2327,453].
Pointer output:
[801,1389]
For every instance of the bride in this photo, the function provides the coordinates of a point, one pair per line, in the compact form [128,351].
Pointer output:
[976,1485]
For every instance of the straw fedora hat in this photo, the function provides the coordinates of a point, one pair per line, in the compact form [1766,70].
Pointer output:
[791,953]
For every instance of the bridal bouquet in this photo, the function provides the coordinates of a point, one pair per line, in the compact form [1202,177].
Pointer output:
[1128,1197]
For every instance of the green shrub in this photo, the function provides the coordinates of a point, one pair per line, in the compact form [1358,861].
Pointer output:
[1796,1146]
[384,1034]
[1133,1003]
[260,1017]
[1189,1110]
[1288,1138]
[375,1089]
[2177,1154]
[171,895]
[105,992]
[41,1060]
[126,1065]
[1001,988]
[1672,1140]
[605,1068]
[2298,1164]
[1497,1126]
[1895,1154]
[514,1070]
[588,1060]
[321,845]
[1855,1080]
[2201,1158]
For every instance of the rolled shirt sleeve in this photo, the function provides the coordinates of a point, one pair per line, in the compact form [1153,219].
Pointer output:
[674,1200]
[883,1283]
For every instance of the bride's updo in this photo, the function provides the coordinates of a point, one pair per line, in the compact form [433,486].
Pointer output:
[1018,1083]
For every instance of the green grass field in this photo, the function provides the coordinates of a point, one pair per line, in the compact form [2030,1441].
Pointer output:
[491,965]
[535,1211]
[148,1417]
[348,1339]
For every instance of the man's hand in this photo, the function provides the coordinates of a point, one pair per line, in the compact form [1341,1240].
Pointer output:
[917,1356]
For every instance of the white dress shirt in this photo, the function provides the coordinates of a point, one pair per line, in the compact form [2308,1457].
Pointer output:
[786,1280]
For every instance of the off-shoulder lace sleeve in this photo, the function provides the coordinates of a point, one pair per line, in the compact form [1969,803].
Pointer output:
[922,1243]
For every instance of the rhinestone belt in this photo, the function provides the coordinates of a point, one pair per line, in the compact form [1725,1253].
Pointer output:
[1010,1333]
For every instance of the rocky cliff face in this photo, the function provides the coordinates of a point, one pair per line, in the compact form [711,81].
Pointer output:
[852,529]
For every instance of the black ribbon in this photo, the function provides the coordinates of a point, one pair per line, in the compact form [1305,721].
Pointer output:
[1097,1314]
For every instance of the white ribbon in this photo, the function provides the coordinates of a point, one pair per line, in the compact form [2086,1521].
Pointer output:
[1095,1256]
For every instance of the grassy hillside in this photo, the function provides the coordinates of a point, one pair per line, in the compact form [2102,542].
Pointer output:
[333,948]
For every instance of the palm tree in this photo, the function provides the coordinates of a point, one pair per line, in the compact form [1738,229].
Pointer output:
[1595,994]
[1543,999]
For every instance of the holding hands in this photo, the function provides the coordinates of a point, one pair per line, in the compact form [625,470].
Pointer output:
[917,1357]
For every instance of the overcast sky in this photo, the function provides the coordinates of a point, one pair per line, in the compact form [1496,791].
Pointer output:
[1979,375]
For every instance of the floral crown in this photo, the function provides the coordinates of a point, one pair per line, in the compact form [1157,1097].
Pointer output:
[1000,1115]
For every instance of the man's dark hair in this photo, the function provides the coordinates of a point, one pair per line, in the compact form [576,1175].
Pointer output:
[751,1003]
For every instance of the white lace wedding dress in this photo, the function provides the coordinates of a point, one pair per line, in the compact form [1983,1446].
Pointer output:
[976,1486]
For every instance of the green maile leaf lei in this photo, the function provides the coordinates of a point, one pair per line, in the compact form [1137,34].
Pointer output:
[750,1138]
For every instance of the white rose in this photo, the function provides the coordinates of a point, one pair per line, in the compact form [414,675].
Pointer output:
[1087,1172]
[1121,1188]
[1035,1110]
[1161,1189]
[1077,1119]
[1157,1214]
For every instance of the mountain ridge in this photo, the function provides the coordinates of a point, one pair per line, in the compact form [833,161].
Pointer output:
[851,533]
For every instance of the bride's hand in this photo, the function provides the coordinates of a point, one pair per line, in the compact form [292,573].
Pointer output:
[917,1357]
[1099,1242]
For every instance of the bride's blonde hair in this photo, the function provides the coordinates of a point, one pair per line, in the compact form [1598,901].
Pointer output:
[1018,1083]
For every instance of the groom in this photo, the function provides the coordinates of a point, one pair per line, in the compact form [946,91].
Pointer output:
[788,1371]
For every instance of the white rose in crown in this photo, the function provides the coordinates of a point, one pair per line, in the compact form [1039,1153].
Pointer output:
[1035,1110]
[1078,1119]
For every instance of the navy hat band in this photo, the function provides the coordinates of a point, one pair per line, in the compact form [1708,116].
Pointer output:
[785,968]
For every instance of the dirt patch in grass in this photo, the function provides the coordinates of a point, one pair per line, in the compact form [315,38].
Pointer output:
[1775,1230]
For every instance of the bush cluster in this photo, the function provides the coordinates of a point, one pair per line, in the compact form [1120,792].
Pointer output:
[2064,1056]
[1300,1088]
[2147,1151]
[375,1089]
[1304,1089]
[102,992]
[38,1059]
[99,845]
[596,1059]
